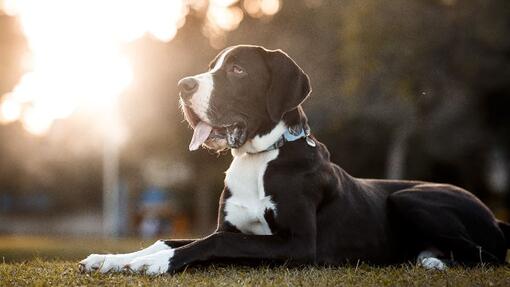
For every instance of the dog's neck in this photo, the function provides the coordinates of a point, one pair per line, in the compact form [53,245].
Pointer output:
[293,126]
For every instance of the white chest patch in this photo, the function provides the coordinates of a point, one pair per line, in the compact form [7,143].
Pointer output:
[248,202]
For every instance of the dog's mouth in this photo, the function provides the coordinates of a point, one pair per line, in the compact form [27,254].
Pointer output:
[204,132]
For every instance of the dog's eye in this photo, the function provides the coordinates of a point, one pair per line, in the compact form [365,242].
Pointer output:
[237,70]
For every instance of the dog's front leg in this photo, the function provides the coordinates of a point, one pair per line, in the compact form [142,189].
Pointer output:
[116,262]
[229,245]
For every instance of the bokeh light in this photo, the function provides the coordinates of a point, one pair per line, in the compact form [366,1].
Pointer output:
[260,8]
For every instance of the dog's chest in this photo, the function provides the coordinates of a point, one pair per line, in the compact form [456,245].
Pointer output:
[248,203]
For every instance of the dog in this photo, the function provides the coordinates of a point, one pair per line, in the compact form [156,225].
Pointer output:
[284,201]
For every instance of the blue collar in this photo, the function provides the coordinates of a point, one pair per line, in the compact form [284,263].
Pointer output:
[293,134]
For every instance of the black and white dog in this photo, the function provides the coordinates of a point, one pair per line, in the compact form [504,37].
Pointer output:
[284,201]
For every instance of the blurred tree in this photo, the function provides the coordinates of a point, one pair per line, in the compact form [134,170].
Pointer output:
[430,68]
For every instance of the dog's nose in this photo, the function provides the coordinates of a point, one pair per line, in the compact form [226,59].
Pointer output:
[187,86]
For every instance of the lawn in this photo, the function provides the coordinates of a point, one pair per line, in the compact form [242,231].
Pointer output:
[65,273]
[40,262]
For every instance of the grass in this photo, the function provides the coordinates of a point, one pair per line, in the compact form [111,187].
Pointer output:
[36,261]
[39,272]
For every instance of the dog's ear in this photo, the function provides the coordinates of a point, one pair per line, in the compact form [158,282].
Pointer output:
[289,87]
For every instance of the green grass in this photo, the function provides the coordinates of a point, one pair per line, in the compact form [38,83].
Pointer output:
[40,261]
[39,272]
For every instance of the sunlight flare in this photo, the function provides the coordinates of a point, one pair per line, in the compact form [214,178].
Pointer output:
[76,54]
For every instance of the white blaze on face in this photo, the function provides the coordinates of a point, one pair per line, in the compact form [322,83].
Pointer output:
[200,103]
[200,100]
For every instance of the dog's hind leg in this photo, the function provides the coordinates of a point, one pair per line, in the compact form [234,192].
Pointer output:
[430,259]
[449,219]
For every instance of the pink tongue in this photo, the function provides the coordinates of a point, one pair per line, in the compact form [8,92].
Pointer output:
[200,135]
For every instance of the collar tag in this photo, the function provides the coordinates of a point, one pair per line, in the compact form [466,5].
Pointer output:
[311,142]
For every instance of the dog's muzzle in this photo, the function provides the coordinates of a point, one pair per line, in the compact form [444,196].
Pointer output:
[205,132]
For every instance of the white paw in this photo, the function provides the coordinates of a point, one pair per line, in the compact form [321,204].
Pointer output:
[153,264]
[432,263]
[104,263]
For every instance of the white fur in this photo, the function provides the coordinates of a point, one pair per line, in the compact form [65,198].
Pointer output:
[201,99]
[246,206]
[153,264]
[428,260]
[261,143]
[115,262]
[432,263]
[220,61]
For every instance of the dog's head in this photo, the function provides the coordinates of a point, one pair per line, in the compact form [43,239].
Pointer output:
[244,95]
